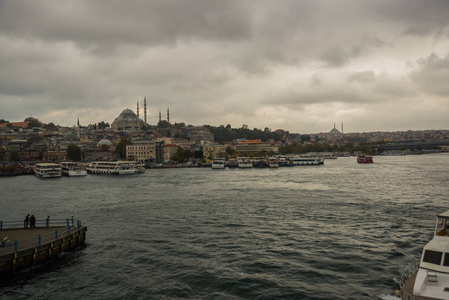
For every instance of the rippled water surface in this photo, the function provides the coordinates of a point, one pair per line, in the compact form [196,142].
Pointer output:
[338,231]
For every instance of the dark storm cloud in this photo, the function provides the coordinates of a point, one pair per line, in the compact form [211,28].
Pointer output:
[263,61]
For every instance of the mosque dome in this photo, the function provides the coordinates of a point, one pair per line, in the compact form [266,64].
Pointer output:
[104,142]
[127,112]
[70,137]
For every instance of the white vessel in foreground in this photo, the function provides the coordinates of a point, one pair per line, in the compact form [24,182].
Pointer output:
[47,170]
[431,280]
[111,168]
[69,168]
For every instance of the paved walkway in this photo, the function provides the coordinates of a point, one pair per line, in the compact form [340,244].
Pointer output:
[22,234]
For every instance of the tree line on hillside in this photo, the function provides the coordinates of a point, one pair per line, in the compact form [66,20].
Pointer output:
[224,134]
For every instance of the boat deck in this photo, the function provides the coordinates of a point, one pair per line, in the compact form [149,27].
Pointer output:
[407,290]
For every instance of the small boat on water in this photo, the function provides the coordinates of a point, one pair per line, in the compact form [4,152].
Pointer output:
[140,168]
[232,163]
[260,162]
[10,170]
[362,159]
[111,168]
[69,168]
[218,163]
[47,170]
[431,278]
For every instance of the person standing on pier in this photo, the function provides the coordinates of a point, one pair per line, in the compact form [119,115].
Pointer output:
[32,221]
[26,221]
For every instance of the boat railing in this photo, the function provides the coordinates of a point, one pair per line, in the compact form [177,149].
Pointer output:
[406,274]
[64,227]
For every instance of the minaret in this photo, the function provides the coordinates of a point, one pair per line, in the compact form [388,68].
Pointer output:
[168,115]
[137,109]
[342,127]
[160,116]
[78,129]
[145,108]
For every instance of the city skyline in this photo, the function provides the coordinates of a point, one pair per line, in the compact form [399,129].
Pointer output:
[301,66]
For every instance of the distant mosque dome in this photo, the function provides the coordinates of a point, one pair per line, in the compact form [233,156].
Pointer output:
[128,112]
[70,137]
[104,142]
[127,120]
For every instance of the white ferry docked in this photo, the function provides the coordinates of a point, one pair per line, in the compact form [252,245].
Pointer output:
[69,168]
[47,170]
[218,163]
[244,162]
[431,280]
[306,160]
[111,168]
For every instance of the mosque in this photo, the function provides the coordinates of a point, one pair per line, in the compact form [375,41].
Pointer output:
[128,120]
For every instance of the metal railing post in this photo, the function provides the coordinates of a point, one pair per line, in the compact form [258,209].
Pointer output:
[1,225]
[68,229]
[40,239]
[56,234]
[17,245]
[78,223]
[68,222]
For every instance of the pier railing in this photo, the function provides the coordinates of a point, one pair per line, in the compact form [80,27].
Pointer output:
[62,227]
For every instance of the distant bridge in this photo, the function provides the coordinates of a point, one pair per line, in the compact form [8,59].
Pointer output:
[417,146]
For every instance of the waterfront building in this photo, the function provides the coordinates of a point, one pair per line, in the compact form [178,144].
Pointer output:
[169,150]
[143,151]
[213,150]
[255,146]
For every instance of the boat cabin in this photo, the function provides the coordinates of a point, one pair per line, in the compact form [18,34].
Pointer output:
[432,279]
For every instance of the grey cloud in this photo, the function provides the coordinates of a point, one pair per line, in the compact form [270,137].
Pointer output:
[362,77]
[433,75]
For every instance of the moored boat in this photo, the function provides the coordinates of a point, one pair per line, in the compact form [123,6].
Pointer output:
[69,168]
[47,170]
[362,159]
[244,162]
[10,170]
[305,160]
[273,162]
[218,163]
[111,168]
[140,168]
[260,162]
[431,279]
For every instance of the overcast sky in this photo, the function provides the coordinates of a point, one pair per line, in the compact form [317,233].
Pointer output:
[297,65]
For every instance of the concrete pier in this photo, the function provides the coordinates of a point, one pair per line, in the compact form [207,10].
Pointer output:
[24,248]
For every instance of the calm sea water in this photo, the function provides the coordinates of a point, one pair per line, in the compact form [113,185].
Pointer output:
[338,231]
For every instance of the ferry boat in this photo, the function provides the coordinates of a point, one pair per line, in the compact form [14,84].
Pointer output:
[111,168]
[244,162]
[69,168]
[273,162]
[306,160]
[140,168]
[362,159]
[47,170]
[232,163]
[218,163]
[431,279]
[260,162]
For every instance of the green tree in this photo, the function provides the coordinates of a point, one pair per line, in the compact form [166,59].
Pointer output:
[33,122]
[73,152]
[121,146]
[179,155]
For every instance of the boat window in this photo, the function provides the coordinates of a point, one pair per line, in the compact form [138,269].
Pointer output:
[433,257]
[446,260]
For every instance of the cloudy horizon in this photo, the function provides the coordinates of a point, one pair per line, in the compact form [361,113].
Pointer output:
[295,65]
